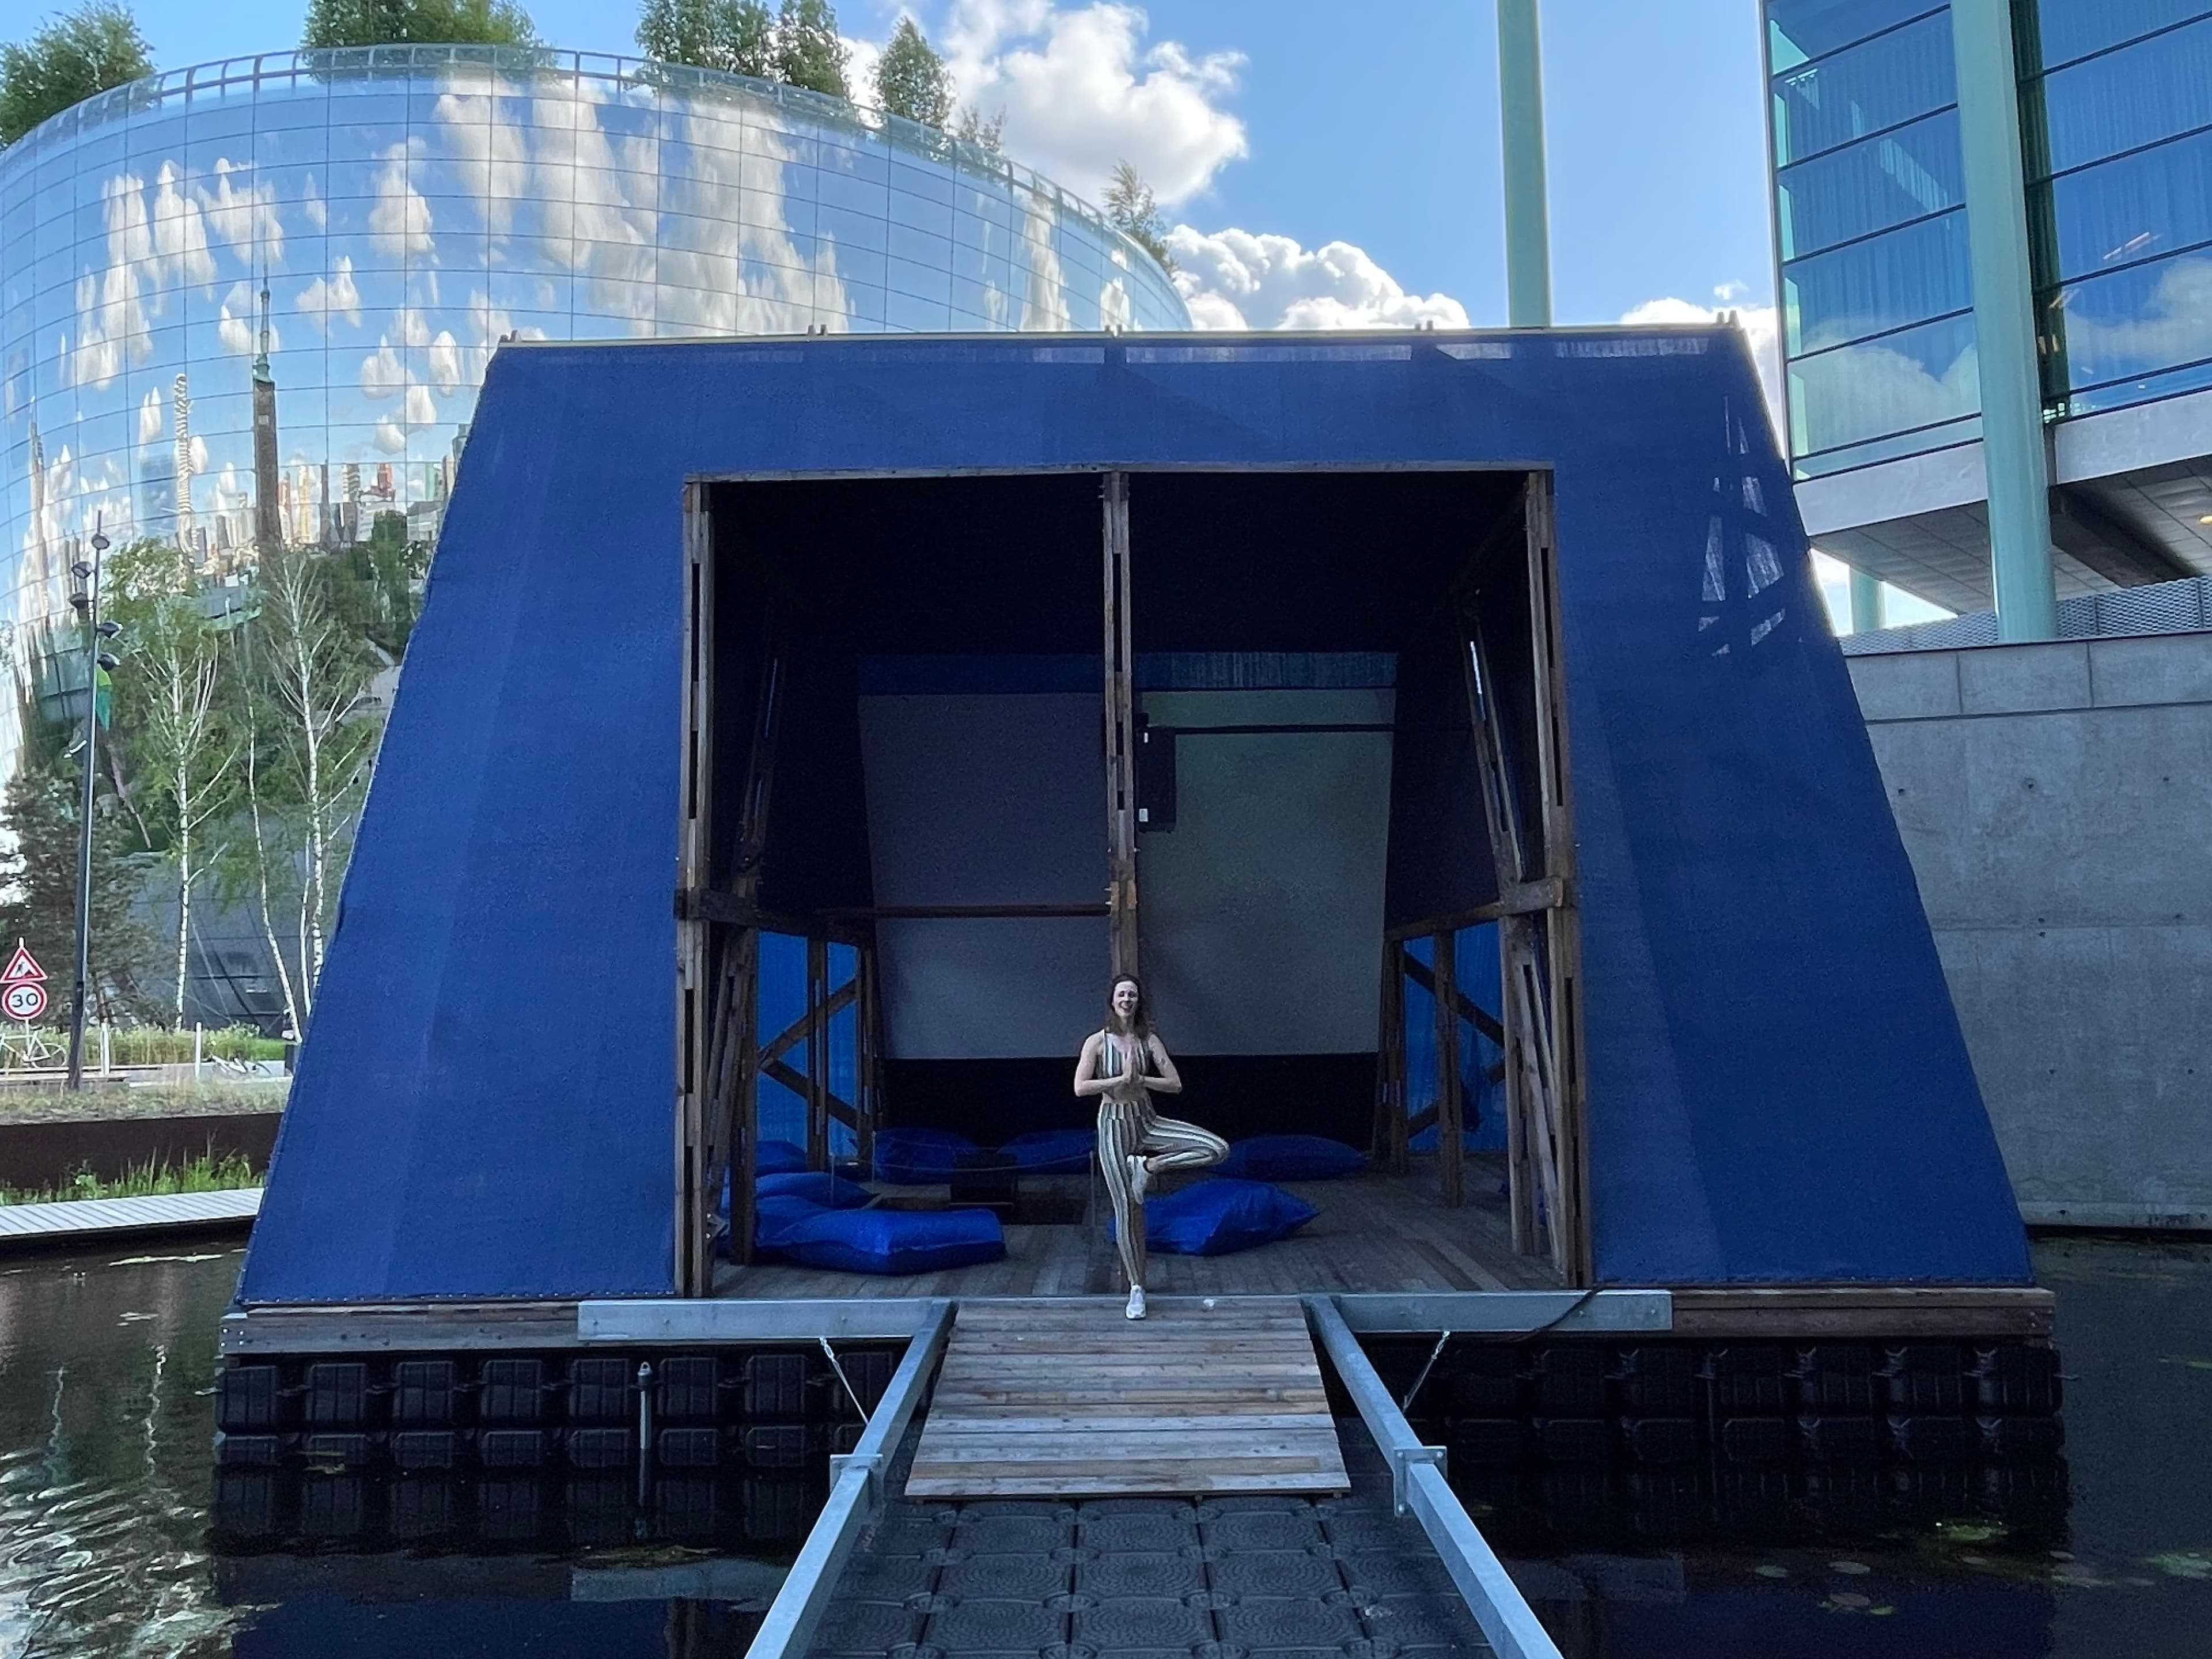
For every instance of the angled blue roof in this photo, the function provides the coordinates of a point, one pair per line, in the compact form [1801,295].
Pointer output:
[1778,1090]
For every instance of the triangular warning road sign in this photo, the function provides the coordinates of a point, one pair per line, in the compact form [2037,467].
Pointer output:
[21,965]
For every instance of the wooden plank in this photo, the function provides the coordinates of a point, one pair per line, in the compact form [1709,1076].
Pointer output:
[1041,1397]
[695,1152]
[1520,898]
[51,1223]
[1451,1143]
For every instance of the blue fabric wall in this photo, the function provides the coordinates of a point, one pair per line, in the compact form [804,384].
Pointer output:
[1778,1088]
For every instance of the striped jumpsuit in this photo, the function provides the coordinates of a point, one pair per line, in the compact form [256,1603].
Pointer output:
[1127,1128]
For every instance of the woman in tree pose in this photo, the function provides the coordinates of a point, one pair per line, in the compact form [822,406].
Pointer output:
[1122,1065]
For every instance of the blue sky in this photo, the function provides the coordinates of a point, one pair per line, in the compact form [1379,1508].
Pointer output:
[1375,126]
[1327,165]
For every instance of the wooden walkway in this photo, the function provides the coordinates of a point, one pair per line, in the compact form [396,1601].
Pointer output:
[1067,1398]
[1376,1233]
[25,1224]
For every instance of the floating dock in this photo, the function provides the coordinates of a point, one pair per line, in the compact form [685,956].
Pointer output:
[1070,1399]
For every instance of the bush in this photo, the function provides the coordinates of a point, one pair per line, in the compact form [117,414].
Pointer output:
[148,1180]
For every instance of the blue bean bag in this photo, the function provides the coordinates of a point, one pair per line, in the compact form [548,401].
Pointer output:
[919,1157]
[779,1158]
[1291,1158]
[1217,1217]
[775,1216]
[1052,1151]
[894,1241]
[832,1192]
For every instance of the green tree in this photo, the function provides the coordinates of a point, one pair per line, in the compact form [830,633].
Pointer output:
[169,726]
[376,585]
[1131,209]
[312,677]
[736,35]
[911,79]
[808,52]
[974,129]
[84,52]
[395,22]
[38,884]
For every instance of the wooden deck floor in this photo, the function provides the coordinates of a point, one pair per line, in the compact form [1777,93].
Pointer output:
[101,1218]
[1375,1233]
[1068,1399]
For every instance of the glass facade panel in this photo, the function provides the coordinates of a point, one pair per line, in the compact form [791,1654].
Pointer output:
[2054,32]
[1881,83]
[407,219]
[1879,285]
[1898,384]
[2129,323]
[2121,101]
[1879,182]
[2136,207]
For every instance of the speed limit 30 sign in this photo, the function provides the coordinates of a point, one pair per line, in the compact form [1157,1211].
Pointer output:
[23,985]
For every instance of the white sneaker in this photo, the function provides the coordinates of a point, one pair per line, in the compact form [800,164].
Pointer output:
[1140,1176]
[1136,1308]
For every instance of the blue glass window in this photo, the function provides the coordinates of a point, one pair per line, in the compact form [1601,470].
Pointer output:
[1799,30]
[2063,30]
[1899,383]
[1878,285]
[2133,208]
[2122,100]
[2132,322]
[1888,81]
[1902,175]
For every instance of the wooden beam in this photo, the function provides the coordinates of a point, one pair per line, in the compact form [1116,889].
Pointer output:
[817,1054]
[868,1074]
[837,1001]
[1120,732]
[1473,1012]
[1522,898]
[966,912]
[1561,925]
[729,910]
[694,1231]
[1451,1145]
[1864,1311]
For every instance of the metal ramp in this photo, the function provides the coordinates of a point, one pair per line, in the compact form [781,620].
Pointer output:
[1065,1398]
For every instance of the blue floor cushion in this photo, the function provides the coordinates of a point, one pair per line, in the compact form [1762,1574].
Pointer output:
[1291,1158]
[832,1192]
[1215,1218]
[919,1157]
[779,1158]
[774,1218]
[894,1241]
[1052,1151]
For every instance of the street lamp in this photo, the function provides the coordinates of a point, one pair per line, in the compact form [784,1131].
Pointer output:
[87,600]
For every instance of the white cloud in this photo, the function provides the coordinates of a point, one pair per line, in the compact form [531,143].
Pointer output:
[338,293]
[444,363]
[1758,323]
[418,408]
[390,436]
[152,412]
[400,221]
[382,373]
[1081,90]
[1234,279]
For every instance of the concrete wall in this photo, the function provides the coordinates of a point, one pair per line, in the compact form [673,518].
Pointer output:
[2056,803]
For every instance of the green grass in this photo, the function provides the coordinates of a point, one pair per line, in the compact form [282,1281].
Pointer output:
[157,1045]
[49,1103]
[147,1180]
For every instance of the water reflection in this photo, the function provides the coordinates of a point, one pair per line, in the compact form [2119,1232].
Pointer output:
[117,1535]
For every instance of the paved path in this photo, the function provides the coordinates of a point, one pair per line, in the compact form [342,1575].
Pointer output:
[57,1224]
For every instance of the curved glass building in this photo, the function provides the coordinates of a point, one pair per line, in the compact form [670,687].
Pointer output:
[253,301]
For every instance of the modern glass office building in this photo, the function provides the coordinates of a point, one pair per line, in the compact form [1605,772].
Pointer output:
[1877,287]
[254,299]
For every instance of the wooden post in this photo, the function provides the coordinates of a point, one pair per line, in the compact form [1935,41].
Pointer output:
[1451,1145]
[868,1080]
[818,1052]
[1562,928]
[694,1230]
[1121,734]
[1388,1145]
